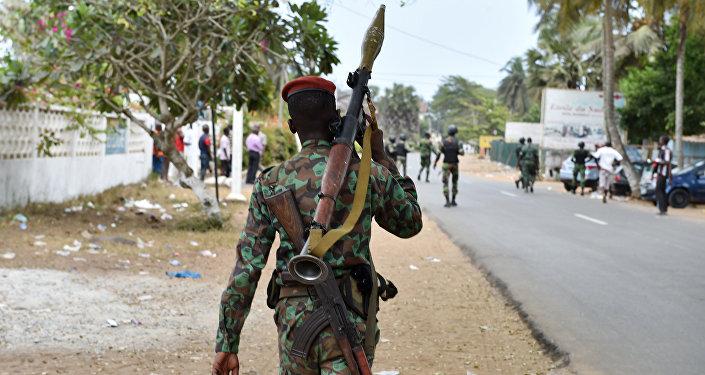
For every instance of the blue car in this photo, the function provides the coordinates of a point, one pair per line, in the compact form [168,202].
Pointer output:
[688,186]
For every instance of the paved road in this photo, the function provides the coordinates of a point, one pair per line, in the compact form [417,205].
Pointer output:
[615,286]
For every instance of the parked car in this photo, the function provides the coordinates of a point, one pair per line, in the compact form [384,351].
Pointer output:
[620,184]
[688,185]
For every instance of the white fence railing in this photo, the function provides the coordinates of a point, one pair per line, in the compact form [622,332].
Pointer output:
[80,164]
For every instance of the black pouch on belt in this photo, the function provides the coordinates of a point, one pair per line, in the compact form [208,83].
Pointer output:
[356,287]
[273,290]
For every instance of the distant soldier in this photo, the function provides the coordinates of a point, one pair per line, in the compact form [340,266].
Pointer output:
[580,157]
[426,148]
[402,150]
[517,151]
[391,149]
[529,164]
[450,150]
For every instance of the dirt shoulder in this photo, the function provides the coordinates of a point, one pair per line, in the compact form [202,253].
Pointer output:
[447,318]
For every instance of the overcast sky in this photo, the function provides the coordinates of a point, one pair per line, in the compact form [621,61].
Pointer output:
[485,34]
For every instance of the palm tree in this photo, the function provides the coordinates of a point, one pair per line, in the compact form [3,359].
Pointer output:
[512,91]
[569,13]
[691,15]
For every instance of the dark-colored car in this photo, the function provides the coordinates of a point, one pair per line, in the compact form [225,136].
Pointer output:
[620,184]
[688,186]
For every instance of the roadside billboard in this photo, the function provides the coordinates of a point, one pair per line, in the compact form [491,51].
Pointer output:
[515,130]
[571,116]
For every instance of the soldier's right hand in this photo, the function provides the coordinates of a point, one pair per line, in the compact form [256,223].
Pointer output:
[224,363]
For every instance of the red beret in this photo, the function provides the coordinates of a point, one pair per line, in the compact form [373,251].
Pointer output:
[307,83]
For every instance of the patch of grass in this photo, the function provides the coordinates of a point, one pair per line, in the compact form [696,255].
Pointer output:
[201,224]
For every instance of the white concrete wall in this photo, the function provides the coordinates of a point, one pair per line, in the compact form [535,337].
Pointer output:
[80,165]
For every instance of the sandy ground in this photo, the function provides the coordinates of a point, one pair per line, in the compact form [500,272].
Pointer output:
[447,318]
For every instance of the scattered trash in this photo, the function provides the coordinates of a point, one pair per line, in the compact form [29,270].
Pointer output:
[94,246]
[135,322]
[143,255]
[74,209]
[141,244]
[21,218]
[125,261]
[129,234]
[115,239]
[224,203]
[169,246]
[93,251]
[469,373]
[8,256]
[184,273]
[122,266]
[166,217]
[40,243]
[113,225]
[486,328]
[121,209]
[63,253]
[383,340]
[86,234]
[112,323]
[90,204]
[208,253]
[76,246]
[387,372]
[102,227]
[174,262]
[432,259]
[144,185]
[413,267]
[175,253]
[193,243]
[144,204]
[39,237]
[172,196]
[23,226]
[144,298]
[79,259]
[142,273]
[195,358]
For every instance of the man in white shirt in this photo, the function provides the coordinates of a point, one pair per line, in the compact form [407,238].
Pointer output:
[607,158]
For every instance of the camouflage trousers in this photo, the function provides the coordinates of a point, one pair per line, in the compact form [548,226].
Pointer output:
[450,169]
[579,169]
[528,173]
[325,357]
[425,164]
[401,165]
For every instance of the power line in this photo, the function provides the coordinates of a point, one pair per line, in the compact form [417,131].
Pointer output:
[436,75]
[422,38]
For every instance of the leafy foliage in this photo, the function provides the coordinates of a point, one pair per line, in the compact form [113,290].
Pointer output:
[399,110]
[650,110]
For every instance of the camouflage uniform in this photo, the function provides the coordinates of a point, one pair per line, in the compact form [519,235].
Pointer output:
[529,165]
[450,150]
[426,148]
[401,152]
[391,199]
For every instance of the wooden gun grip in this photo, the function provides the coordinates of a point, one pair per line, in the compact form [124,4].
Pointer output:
[283,206]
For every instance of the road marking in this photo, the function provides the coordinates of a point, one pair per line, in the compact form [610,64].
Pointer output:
[588,218]
[508,194]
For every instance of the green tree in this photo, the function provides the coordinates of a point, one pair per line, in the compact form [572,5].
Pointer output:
[512,91]
[651,91]
[570,13]
[691,19]
[399,110]
[170,57]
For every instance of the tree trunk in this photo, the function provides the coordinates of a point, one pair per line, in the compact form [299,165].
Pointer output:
[610,122]
[187,178]
[680,66]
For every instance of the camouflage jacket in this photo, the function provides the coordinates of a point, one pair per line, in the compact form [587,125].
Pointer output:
[391,200]
[426,148]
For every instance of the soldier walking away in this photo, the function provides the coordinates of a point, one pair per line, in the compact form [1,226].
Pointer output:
[529,164]
[204,144]
[391,200]
[391,149]
[426,148]
[579,158]
[401,151]
[450,148]
[662,172]
[607,158]
[517,151]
